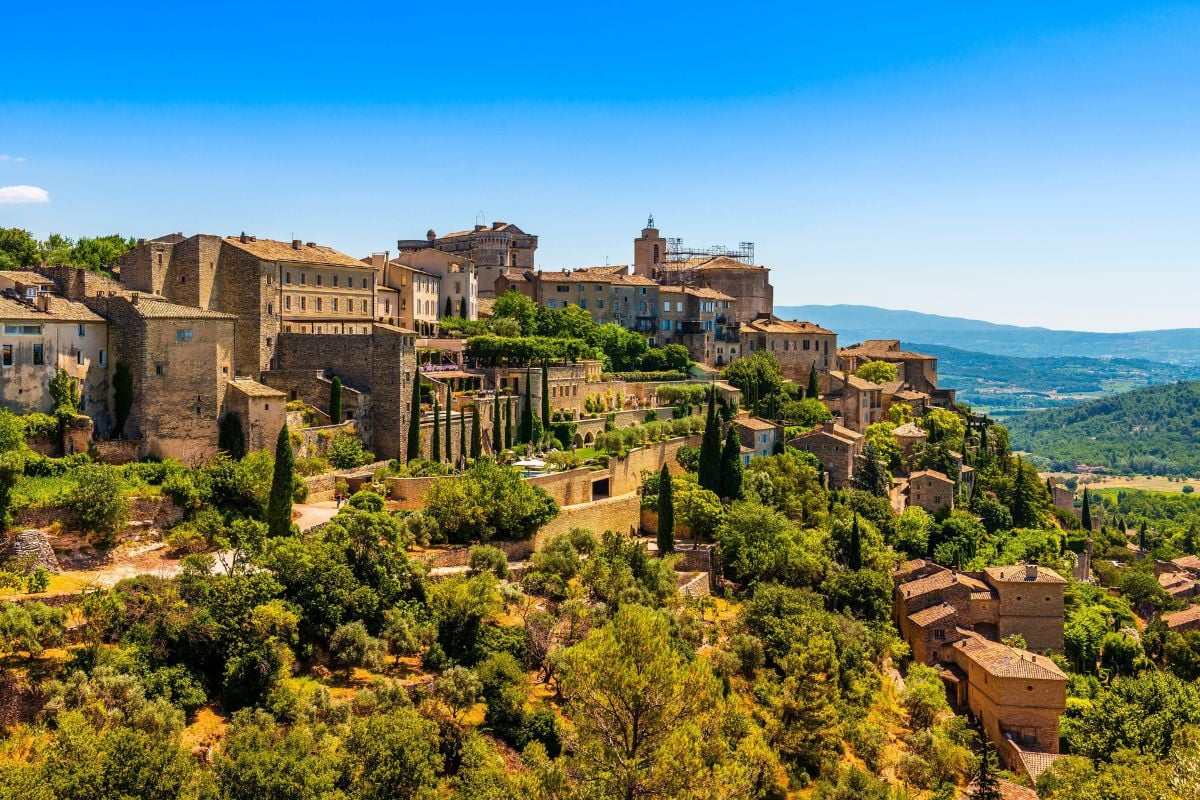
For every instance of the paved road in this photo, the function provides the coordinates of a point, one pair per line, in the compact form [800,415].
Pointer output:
[310,515]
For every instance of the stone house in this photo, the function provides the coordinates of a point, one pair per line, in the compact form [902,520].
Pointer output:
[916,371]
[909,436]
[749,284]
[180,357]
[838,449]
[260,409]
[1186,620]
[457,281]
[799,346]
[608,294]
[493,248]
[858,402]
[42,332]
[900,393]
[953,620]
[698,319]
[406,296]
[272,287]
[380,367]
[931,490]
[758,436]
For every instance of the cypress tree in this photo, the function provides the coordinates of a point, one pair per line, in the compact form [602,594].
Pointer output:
[230,436]
[1143,539]
[731,466]
[335,400]
[279,504]
[666,513]
[710,451]
[814,383]
[449,426]
[497,426]
[436,454]
[449,308]
[545,394]
[462,308]
[1086,516]
[854,557]
[525,433]
[414,419]
[476,433]
[462,435]
[508,423]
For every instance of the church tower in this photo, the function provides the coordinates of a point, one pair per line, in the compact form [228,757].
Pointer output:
[649,250]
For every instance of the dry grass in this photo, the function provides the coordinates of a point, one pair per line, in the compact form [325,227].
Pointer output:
[1154,483]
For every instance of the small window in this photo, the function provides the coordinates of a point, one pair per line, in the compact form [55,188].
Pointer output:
[103,358]
[82,331]
[364,281]
[7,356]
[287,302]
[318,279]
[159,369]
[183,278]
[287,277]
[303,279]
[335,303]
[79,357]
[270,309]
[38,356]
[303,303]
[319,304]
[183,335]
[335,281]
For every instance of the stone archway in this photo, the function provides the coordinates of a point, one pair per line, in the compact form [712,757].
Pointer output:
[588,439]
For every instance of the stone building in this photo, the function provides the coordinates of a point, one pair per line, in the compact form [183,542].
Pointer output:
[799,346]
[701,320]
[457,280]
[954,620]
[757,435]
[837,448]
[909,436]
[380,367]
[931,490]
[180,357]
[1186,620]
[915,371]
[272,287]
[406,296]
[608,294]
[42,332]
[856,401]
[494,249]
[260,409]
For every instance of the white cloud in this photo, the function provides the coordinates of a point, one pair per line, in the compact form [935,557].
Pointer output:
[7,157]
[23,194]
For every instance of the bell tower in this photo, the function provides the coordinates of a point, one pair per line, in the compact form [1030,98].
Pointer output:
[649,250]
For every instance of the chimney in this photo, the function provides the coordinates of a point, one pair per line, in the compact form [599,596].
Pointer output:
[43,301]
[133,298]
[481,227]
[141,242]
[244,238]
[497,225]
[312,244]
[1031,572]
[295,244]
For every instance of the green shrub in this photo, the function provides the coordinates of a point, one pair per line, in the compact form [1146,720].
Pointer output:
[98,502]
[312,465]
[40,426]
[346,451]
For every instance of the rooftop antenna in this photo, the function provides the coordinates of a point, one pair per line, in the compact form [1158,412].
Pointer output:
[650,221]
[479,218]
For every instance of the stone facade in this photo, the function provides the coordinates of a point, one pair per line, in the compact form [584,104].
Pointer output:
[260,409]
[837,448]
[758,436]
[750,285]
[858,402]
[916,371]
[799,346]
[700,319]
[494,248]
[42,332]
[608,294]
[457,281]
[931,490]
[381,366]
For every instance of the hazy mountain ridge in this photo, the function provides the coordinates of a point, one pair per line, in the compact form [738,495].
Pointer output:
[854,323]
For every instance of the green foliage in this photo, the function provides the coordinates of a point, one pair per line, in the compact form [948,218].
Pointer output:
[807,413]
[731,466]
[877,372]
[279,504]
[413,447]
[709,472]
[1150,431]
[346,451]
[98,503]
[487,502]
[231,439]
[486,558]
[666,513]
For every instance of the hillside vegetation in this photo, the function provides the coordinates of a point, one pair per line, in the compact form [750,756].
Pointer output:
[1151,431]
[1003,382]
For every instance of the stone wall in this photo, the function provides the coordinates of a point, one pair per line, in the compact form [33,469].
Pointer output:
[118,451]
[626,473]
[153,512]
[571,487]
[618,514]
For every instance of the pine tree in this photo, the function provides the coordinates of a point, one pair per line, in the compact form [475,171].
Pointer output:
[436,454]
[986,785]
[854,556]
[414,420]
[545,394]
[476,433]
[731,466]
[814,383]
[1086,516]
[666,513]
[335,400]
[710,451]
[279,504]
[497,426]
[525,432]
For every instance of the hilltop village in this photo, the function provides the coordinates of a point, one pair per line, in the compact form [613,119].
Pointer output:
[438,492]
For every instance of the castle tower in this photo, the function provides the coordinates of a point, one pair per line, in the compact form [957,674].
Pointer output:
[649,250]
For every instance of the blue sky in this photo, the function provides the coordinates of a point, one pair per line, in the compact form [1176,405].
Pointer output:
[1034,163]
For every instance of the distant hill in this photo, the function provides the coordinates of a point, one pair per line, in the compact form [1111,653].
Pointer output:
[1151,431]
[855,323]
[1004,383]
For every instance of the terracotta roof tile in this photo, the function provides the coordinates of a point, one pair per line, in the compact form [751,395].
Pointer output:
[910,430]
[930,473]
[25,276]
[161,309]
[943,579]
[1177,618]
[1009,662]
[932,614]
[776,325]
[252,388]
[1019,574]
[754,423]
[59,310]
[271,250]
